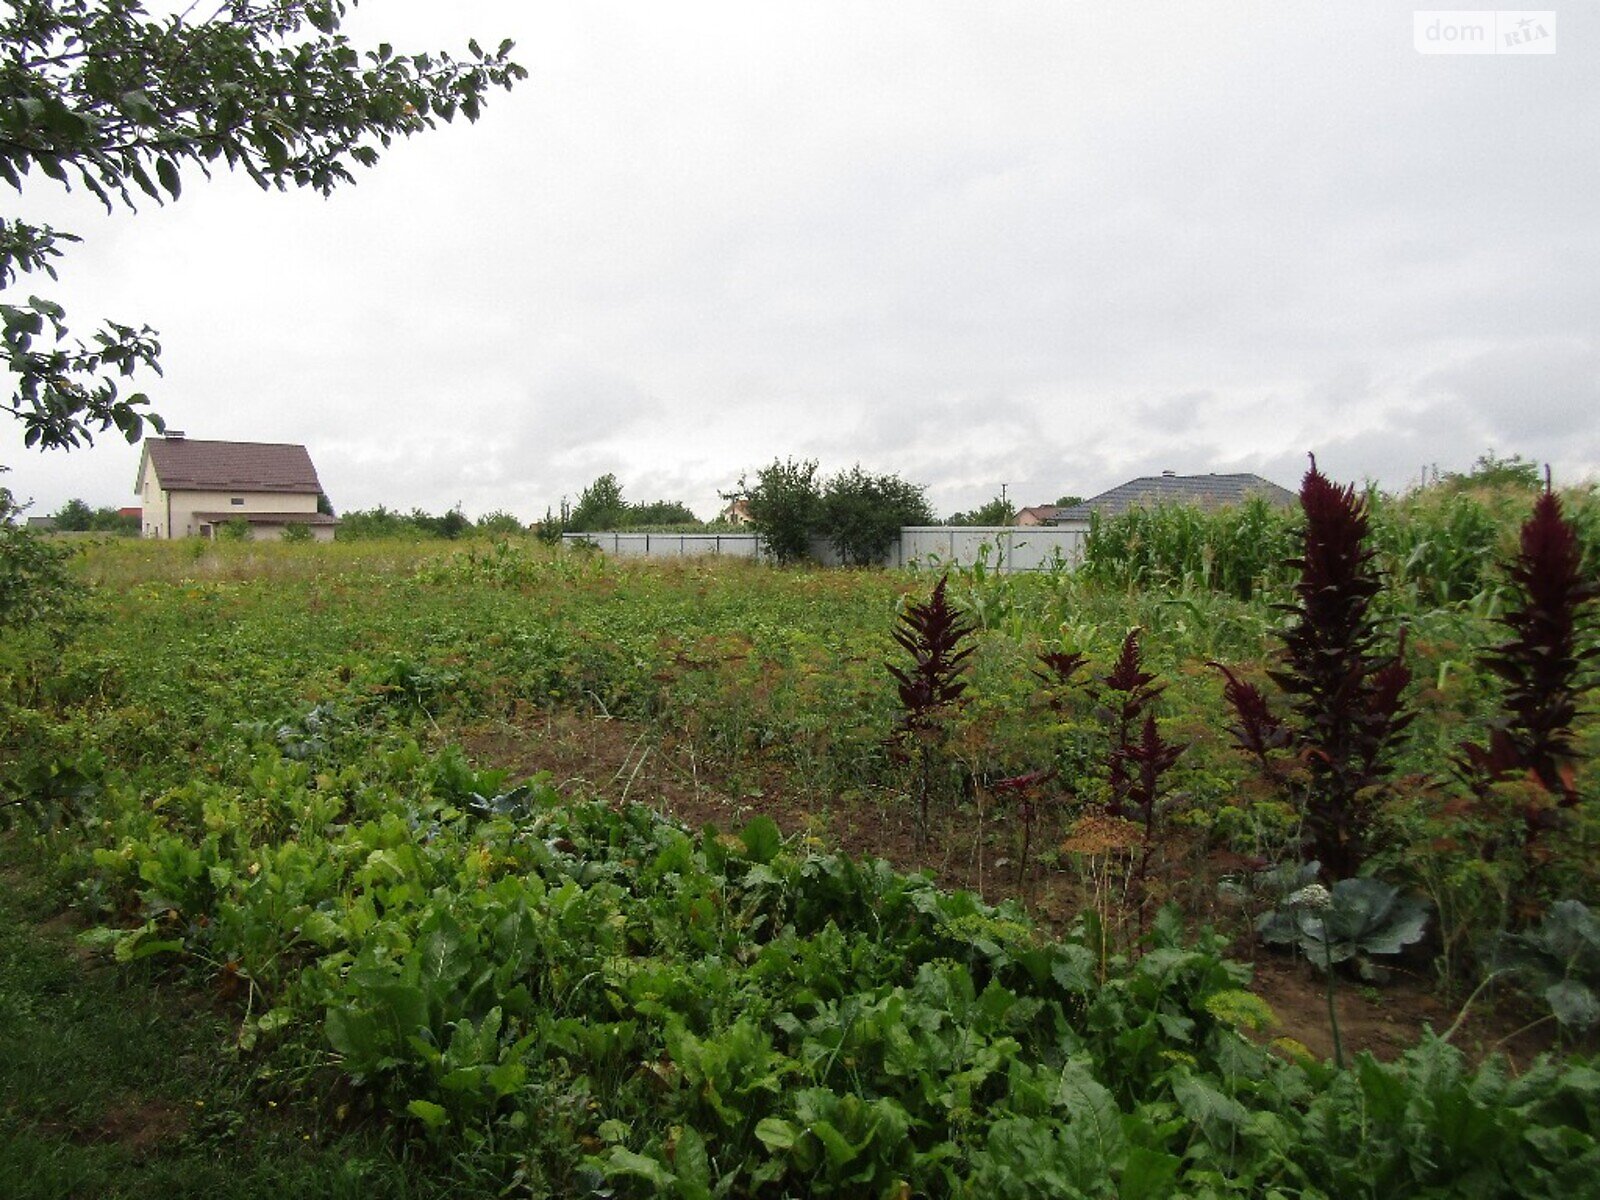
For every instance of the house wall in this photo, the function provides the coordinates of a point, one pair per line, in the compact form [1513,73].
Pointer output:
[172,514]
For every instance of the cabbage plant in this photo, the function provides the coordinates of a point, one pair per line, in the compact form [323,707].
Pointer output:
[1360,920]
[1560,959]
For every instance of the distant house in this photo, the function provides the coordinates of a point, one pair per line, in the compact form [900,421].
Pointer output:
[737,512]
[1152,491]
[191,488]
[1039,514]
[42,524]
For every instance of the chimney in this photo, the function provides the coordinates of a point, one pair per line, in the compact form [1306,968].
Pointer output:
[1164,474]
[174,435]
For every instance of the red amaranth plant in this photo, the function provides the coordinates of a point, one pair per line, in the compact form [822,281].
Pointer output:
[1060,666]
[1542,665]
[932,633]
[1139,757]
[1130,695]
[1150,757]
[1029,792]
[1346,699]
[1259,732]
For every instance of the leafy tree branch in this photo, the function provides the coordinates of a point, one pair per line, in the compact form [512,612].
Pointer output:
[101,95]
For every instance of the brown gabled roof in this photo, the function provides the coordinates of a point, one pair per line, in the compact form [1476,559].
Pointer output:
[191,465]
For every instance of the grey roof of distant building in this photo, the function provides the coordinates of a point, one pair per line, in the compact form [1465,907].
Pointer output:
[1151,491]
[189,464]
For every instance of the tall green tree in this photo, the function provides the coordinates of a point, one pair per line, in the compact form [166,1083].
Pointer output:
[997,511]
[600,506]
[75,516]
[861,514]
[660,512]
[785,503]
[102,95]
[1492,471]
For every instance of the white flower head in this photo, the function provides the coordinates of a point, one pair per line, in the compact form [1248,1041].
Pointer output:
[1313,896]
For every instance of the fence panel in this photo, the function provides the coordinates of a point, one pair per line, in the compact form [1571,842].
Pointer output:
[1002,548]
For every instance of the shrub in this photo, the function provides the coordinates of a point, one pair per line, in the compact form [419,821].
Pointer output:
[783,507]
[861,514]
[499,524]
[34,584]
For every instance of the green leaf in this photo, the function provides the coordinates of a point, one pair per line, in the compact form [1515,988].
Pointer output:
[839,1148]
[142,178]
[137,105]
[507,1078]
[776,1134]
[1096,1119]
[168,174]
[275,1018]
[692,1163]
[137,947]
[622,1161]
[1074,968]
[762,839]
[429,1113]
[321,928]
[1574,1004]
[1148,1174]
[351,1034]
[443,958]
[1219,1116]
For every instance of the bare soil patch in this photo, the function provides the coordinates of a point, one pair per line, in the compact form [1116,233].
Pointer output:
[979,851]
[138,1125]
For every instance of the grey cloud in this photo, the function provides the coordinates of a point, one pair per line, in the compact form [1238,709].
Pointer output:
[1054,250]
[1523,393]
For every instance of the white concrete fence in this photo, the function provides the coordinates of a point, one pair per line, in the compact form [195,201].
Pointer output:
[1002,548]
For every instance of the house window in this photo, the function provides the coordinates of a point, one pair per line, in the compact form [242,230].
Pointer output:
[237,500]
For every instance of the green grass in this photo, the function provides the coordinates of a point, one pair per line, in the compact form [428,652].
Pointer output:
[118,1086]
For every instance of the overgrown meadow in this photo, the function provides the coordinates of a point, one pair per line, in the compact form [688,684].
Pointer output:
[244,766]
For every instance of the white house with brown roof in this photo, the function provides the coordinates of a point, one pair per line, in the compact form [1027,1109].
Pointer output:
[191,488]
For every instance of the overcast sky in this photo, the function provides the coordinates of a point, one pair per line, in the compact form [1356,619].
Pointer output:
[1046,245]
